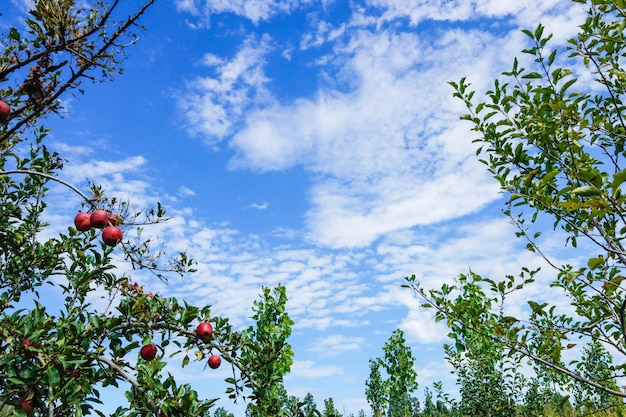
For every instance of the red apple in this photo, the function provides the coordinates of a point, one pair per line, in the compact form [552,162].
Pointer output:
[27,342]
[114,219]
[112,235]
[5,112]
[204,331]
[27,406]
[215,362]
[99,218]
[75,374]
[82,221]
[148,352]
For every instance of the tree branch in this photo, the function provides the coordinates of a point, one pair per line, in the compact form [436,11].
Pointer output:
[50,177]
[151,404]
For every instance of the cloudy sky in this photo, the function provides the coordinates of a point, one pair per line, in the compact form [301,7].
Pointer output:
[314,144]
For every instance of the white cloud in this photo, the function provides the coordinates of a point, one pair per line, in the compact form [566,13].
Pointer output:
[386,151]
[186,191]
[382,139]
[554,14]
[214,104]
[98,168]
[259,206]
[334,345]
[387,155]
[255,10]
[311,370]
[67,150]
[24,5]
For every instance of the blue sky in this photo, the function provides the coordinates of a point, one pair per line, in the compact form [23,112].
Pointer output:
[314,144]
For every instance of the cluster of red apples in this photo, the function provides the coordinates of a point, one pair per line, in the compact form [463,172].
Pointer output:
[204,331]
[100,219]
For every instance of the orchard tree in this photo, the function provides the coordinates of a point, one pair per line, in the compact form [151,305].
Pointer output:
[65,45]
[390,393]
[329,408]
[309,407]
[292,406]
[489,378]
[438,408]
[375,390]
[595,364]
[266,353]
[553,136]
[57,350]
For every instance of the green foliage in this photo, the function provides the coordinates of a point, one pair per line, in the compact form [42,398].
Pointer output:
[266,353]
[375,389]
[438,408]
[329,408]
[391,394]
[309,408]
[540,397]
[595,364]
[556,147]
[488,378]
[221,412]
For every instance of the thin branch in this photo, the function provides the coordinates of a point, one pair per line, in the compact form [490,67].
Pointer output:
[622,310]
[50,177]
[82,70]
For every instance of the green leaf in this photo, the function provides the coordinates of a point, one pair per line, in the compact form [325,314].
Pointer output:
[53,377]
[611,285]
[532,75]
[586,191]
[549,177]
[618,179]
[593,263]
[536,307]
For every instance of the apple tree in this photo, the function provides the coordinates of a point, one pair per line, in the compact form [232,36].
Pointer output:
[71,324]
[552,133]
